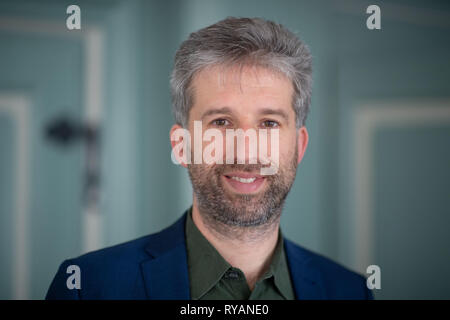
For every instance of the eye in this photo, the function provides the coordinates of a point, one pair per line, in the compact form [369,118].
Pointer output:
[220,122]
[270,124]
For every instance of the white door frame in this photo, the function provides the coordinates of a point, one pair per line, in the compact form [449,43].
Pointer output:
[93,38]
[17,107]
[370,116]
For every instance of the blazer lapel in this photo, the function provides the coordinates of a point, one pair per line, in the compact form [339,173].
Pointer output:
[166,275]
[166,272]
[306,280]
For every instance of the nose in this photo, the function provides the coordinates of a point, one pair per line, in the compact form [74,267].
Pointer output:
[242,144]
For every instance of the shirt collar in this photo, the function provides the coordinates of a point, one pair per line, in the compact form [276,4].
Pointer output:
[207,266]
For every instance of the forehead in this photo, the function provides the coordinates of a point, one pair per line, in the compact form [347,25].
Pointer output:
[247,88]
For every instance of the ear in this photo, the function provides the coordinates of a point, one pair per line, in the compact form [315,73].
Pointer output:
[302,140]
[177,140]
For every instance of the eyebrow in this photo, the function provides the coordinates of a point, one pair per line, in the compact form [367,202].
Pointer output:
[278,112]
[265,111]
[223,110]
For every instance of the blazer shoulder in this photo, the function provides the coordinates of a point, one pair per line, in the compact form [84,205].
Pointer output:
[102,272]
[336,280]
[115,272]
[126,251]
[137,250]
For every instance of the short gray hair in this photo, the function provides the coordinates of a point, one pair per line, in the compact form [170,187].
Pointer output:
[242,41]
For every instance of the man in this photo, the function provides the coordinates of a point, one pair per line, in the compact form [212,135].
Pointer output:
[243,74]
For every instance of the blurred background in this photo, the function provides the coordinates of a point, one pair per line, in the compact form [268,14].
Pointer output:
[85,118]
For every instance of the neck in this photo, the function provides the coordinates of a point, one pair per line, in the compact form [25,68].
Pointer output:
[251,251]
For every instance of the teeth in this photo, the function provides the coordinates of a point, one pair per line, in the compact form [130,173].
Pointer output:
[243,180]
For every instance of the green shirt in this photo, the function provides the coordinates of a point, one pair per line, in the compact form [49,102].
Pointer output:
[213,278]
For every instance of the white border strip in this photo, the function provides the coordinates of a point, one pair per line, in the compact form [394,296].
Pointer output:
[369,117]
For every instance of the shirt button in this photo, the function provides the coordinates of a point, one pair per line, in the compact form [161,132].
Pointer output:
[232,275]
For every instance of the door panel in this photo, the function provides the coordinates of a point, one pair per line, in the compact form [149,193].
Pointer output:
[6,201]
[412,211]
[47,69]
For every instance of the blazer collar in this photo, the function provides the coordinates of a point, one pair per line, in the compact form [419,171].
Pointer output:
[166,272]
[306,279]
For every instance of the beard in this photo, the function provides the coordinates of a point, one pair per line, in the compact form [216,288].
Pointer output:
[233,214]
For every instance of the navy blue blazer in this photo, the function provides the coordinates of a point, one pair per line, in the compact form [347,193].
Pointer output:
[155,267]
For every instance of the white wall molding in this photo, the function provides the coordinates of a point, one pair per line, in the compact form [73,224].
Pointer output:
[93,38]
[369,116]
[17,106]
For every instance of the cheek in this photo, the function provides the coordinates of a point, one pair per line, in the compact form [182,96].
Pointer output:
[288,146]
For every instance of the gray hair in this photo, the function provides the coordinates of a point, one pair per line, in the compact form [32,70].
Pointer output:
[242,41]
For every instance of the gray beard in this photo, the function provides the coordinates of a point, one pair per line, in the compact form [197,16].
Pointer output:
[246,217]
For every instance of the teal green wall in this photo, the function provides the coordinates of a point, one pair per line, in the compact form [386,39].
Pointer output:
[406,60]
[143,192]
[6,201]
[412,211]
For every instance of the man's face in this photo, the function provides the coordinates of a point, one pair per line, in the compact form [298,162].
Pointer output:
[252,98]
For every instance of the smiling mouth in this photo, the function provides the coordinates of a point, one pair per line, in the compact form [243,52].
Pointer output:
[244,182]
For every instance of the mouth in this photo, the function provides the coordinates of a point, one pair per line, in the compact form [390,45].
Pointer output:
[244,182]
